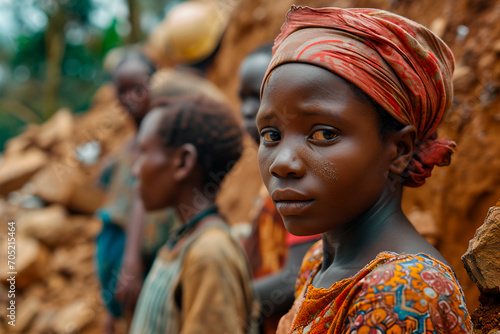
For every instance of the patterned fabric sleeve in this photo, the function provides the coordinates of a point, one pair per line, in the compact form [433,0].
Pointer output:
[411,294]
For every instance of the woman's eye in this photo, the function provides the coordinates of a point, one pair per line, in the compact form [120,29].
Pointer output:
[323,135]
[271,136]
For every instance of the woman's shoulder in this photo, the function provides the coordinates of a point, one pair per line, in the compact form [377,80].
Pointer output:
[411,268]
[410,288]
[215,243]
[422,275]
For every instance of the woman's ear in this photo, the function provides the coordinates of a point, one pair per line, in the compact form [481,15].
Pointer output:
[186,159]
[404,141]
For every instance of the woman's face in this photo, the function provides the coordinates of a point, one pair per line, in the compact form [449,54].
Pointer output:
[252,72]
[321,156]
[154,165]
[132,84]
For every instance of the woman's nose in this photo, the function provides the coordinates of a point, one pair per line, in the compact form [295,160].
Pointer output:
[287,163]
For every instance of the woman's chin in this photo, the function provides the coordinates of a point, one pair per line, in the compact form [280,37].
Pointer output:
[297,228]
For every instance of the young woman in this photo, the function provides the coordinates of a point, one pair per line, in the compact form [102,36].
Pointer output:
[349,111]
[199,282]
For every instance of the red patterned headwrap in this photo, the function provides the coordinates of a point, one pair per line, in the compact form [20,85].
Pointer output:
[399,63]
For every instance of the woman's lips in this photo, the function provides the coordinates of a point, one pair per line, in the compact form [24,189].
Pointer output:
[289,202]
[292,208]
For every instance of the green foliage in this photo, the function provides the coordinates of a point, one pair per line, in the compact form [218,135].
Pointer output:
[76,9]
[111,39]
[22,98]
[30,53]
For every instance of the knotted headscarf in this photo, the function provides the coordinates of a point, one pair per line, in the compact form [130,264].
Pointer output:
[399,63]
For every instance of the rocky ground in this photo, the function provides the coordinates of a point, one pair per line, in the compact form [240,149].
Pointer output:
[50,193]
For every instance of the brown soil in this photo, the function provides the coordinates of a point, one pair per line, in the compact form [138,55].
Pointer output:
[487,316]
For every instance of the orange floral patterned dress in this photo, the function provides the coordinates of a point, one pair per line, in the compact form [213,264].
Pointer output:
[393,294]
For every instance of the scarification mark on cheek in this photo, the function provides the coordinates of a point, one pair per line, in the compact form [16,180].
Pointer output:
[316,162]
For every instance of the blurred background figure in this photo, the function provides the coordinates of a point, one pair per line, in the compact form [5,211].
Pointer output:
[199,282]
[124,253]
[191,51]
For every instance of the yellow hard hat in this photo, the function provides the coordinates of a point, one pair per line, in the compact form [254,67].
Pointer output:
[190,32]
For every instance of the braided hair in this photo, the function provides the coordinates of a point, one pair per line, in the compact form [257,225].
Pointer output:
[208,125]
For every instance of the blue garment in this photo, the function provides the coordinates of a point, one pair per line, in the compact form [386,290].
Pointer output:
[109,254]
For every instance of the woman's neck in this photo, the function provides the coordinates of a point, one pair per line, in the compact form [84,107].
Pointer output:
[352,245]
[191,202]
